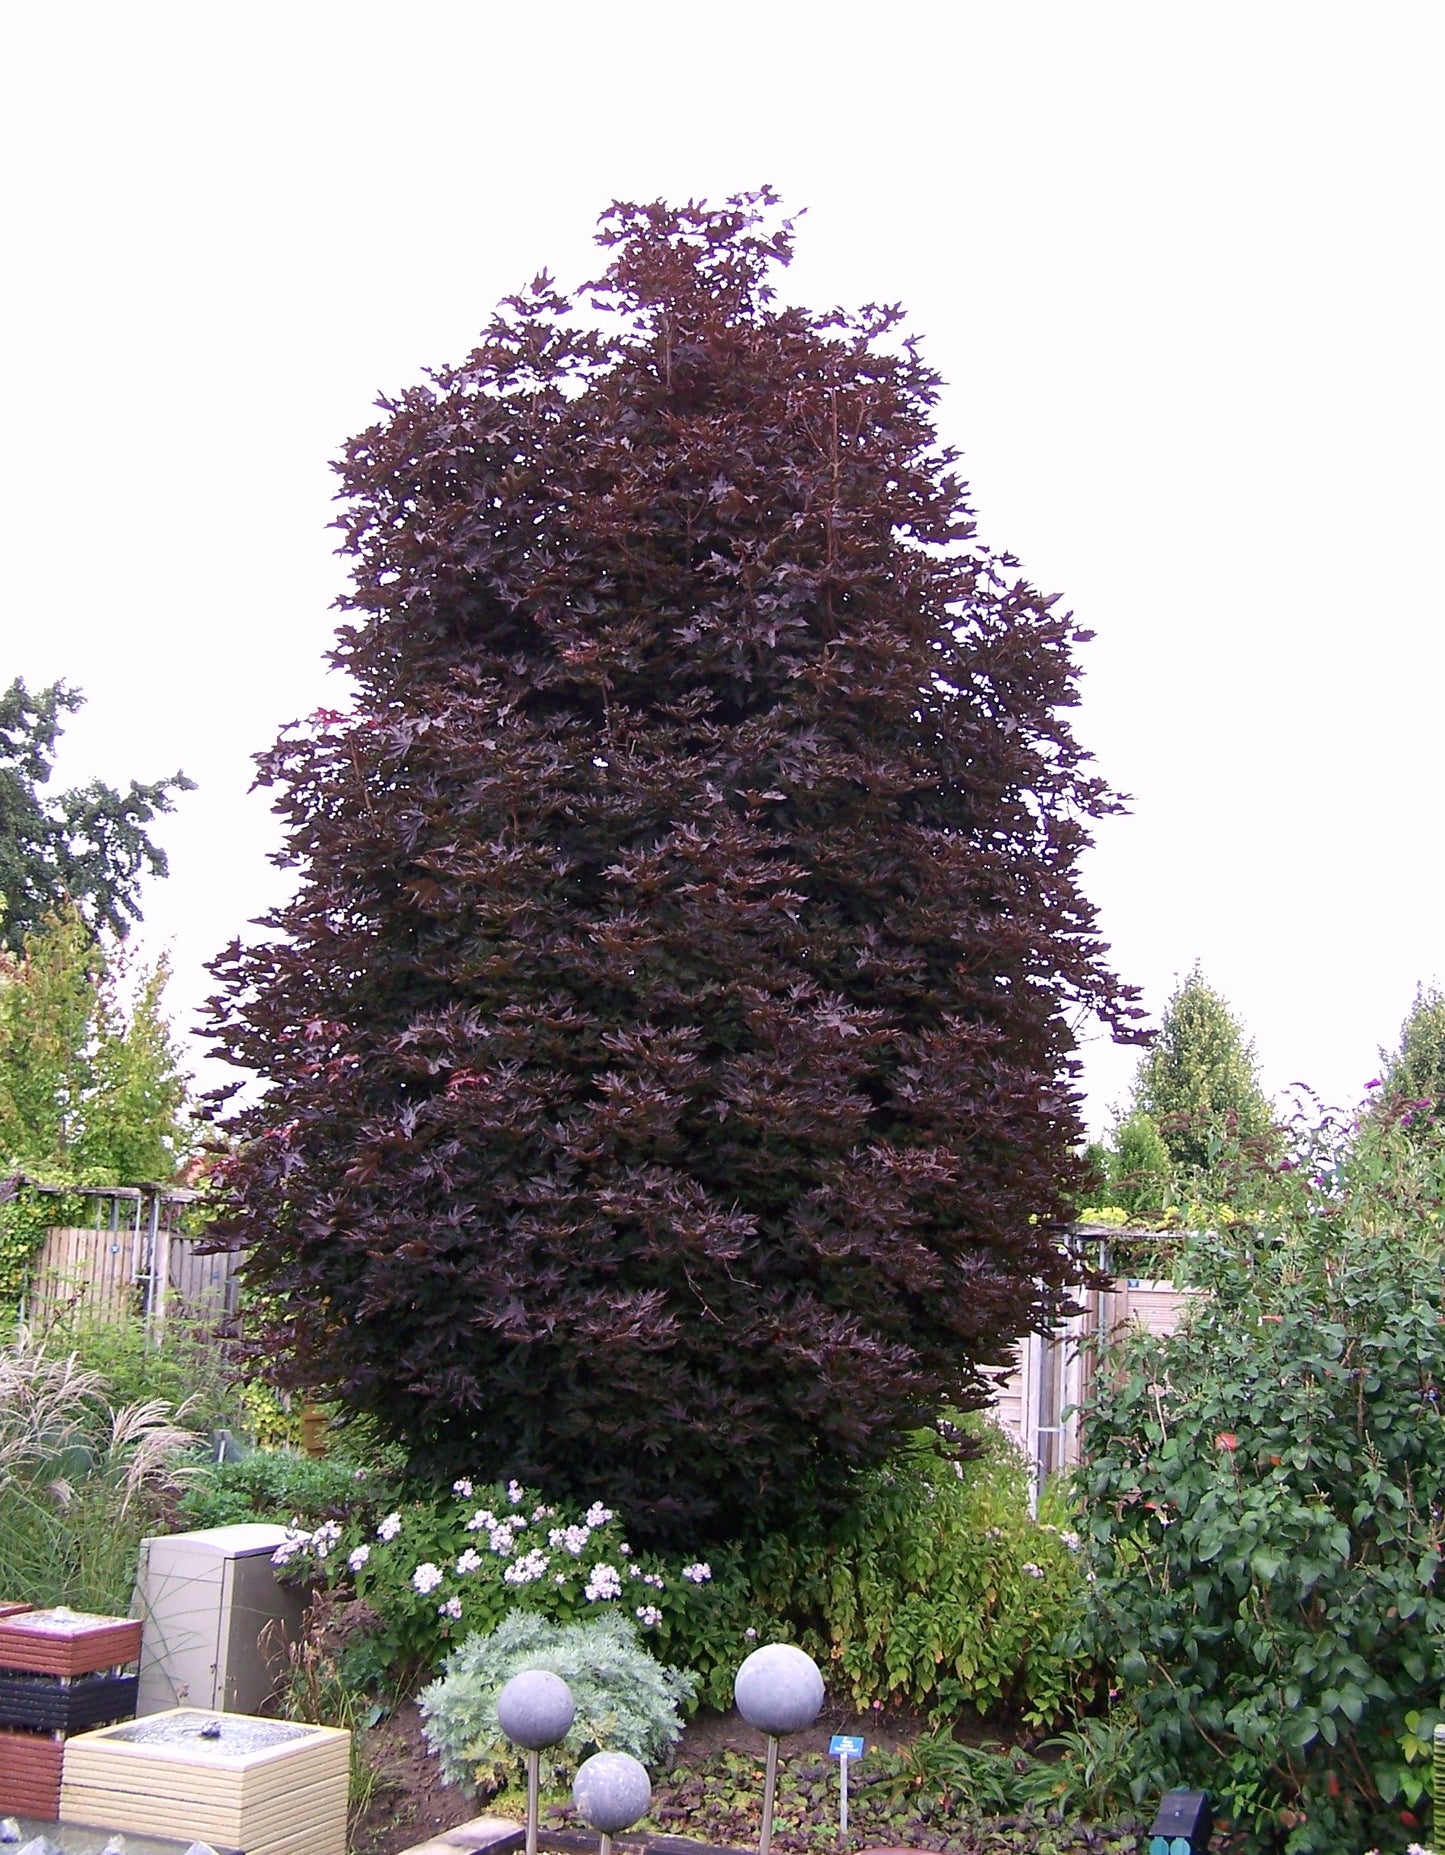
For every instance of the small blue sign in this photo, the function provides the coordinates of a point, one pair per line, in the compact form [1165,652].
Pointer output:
[841,1745]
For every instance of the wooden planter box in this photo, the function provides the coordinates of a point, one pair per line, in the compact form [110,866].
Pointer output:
[66,1642]
[30,1769]
[267,1786]
[48,1704]
[14,1610]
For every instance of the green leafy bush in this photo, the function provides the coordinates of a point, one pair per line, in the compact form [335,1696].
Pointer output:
[282,1485]
[937,1588]
[1266,1512]
[627,1701]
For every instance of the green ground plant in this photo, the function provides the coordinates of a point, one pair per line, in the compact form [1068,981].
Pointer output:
[627,1701]
[1265,1523]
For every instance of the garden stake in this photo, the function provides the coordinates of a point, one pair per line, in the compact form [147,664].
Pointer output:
[770,1787]
[842,1795]
[534,1765]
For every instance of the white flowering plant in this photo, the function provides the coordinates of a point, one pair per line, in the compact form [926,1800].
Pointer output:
[436,1571]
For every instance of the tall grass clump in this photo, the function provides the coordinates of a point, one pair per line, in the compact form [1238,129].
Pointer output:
[81,1479]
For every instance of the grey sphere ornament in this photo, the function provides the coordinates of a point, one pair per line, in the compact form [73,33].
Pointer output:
[611,1791]
[778,1689]
[536,1709]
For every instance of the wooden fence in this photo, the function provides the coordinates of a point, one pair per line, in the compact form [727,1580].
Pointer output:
[136,1267]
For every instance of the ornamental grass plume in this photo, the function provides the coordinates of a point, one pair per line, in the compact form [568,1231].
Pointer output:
[80,1479]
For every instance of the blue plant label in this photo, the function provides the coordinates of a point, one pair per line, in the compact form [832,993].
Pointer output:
[842,1746]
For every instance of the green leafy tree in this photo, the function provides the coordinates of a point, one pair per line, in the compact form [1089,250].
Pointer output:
[87,846]
[668,1055]
[1141,1169]
[91,1090]
[1198,1083]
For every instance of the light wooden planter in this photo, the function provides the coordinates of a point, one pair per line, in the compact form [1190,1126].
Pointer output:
[267,1786]
[66,1642]
[30,1766]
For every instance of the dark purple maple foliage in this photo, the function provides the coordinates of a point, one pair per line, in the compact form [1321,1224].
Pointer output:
[667,1054]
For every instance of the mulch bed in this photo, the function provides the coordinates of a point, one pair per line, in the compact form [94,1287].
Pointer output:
[713,1795]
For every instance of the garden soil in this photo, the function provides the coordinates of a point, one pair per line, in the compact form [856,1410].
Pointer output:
[713,1791]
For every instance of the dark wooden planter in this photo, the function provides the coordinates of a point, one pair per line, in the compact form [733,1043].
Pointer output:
[58,1642]
[51,1705]
[30,1765]
[14,1610]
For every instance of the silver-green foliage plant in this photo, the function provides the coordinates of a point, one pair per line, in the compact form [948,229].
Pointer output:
[627,1701]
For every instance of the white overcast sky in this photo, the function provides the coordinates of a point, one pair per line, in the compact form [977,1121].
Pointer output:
[1180,266]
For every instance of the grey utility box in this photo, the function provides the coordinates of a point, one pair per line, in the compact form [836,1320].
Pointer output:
[204,1599]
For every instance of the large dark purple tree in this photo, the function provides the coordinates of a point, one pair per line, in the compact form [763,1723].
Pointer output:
[668,1052]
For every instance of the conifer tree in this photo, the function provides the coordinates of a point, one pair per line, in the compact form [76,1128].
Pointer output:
[668,1053]
[1414,1072]
[1198,1083]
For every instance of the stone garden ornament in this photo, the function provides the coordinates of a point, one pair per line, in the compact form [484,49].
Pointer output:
[535,1709]
[611,1792]
[778,1690]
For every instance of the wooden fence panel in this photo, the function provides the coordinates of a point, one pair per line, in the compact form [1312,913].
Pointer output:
[90,1274]
[85,1274]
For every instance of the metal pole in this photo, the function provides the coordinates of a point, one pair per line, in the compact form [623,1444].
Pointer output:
[770,1787]
[843,1794]
[605,1848]
[534,1760]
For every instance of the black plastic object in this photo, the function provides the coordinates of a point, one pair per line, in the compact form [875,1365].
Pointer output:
[42,1702]
[1184,1824]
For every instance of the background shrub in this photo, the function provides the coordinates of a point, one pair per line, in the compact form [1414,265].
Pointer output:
[626,1700]
[285,1486]
[936,1588]
[1266,1498]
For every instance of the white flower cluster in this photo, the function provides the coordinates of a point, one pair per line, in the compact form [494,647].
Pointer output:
[297,1538]
[468,1562]
[569,1539]
[1031,1571]
[528,1569]
[482,1519]
[389,1527]
[451,1608]
[652,1578]
[648,1615]
[515,1491]
[605,1582]
[315,1545]
[357,1557]
[597,1515]
[698,1573]
[462,1488]
[503,1537]
[426,1577]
